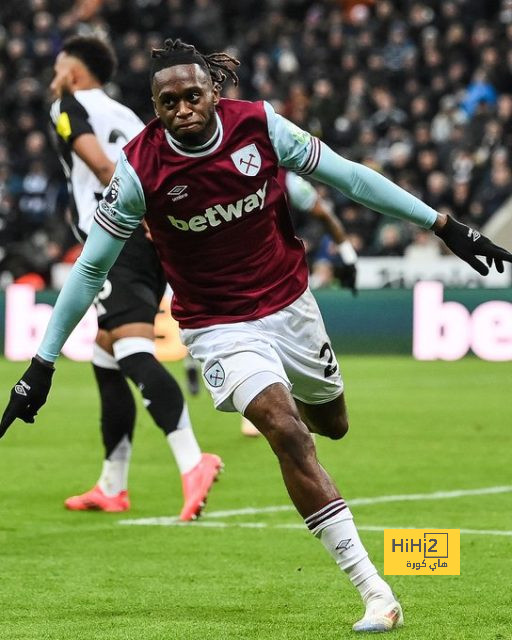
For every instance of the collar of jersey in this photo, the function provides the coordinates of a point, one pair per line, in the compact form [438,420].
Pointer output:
[202,149]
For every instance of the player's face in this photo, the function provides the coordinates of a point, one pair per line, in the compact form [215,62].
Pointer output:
[184,99]
[62,72]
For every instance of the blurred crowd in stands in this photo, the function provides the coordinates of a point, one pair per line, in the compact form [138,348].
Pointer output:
[420,91]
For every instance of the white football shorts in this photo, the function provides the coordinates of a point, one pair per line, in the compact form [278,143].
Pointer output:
[291,346]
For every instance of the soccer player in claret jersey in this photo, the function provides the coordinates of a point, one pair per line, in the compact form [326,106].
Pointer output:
[90,131]
[203,174]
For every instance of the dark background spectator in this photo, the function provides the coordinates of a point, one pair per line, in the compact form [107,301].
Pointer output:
[421,91]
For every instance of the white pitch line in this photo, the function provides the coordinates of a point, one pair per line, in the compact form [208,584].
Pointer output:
[174,522]
[436,495]
[250,511]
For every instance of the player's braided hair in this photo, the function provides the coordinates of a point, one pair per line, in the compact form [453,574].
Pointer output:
[218,65]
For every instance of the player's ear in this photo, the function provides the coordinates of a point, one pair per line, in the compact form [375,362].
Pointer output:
[72,77]
[216,93]
[154,107]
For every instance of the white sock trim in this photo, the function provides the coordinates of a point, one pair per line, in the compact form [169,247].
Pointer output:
[327,515]
[125,347]
[103,359]
[114,474]
[122,451]
[183,443]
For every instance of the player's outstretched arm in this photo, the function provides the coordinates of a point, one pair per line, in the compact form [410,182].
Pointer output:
[297,150]
[366,186]
[85,280]
[119,213]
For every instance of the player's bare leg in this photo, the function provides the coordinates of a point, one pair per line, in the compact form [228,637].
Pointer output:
[317,499]
[328,419]
[275,414]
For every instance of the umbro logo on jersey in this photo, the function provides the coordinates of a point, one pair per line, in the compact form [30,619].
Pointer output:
[247,160]
[219,213]
[178,192]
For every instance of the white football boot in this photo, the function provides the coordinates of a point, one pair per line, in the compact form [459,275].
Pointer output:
[382,614]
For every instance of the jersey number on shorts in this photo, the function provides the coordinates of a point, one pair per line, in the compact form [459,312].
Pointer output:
[106,290]
[330,368]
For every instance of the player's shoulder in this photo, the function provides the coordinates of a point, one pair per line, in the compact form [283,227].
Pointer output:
[242,117]
[152,134]
[242,109]
[67,103]
[148,139]
[90,99]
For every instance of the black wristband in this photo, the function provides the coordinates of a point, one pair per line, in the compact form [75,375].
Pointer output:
[446,230]
[41,361]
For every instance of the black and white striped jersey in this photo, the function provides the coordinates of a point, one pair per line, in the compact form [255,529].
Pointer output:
[113,124]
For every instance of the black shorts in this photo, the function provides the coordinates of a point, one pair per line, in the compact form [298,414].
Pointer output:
[134,286]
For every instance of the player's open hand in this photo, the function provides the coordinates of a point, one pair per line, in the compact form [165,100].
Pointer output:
[467,243]
[28,395]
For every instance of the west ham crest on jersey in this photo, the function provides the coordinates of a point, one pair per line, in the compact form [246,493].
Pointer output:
[247,160]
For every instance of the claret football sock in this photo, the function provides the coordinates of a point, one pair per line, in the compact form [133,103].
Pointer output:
[334,525]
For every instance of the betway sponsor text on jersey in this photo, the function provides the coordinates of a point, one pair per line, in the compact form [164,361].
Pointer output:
[218,213]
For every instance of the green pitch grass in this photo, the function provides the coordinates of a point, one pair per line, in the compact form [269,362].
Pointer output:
[415,428]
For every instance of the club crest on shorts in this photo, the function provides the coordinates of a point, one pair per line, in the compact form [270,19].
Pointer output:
[247,160]
[215,375]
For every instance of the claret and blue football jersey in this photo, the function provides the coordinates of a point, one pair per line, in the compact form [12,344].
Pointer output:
[221,199]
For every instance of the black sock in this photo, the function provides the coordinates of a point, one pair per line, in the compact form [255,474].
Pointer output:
[117,407]
[158,388]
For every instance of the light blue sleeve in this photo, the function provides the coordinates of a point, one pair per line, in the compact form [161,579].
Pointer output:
[301,152]
[83,283]
[291,144]
[302,193]
[123,204]
[119,212]
[370,188]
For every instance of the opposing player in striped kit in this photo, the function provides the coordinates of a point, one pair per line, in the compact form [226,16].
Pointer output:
[90,130]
